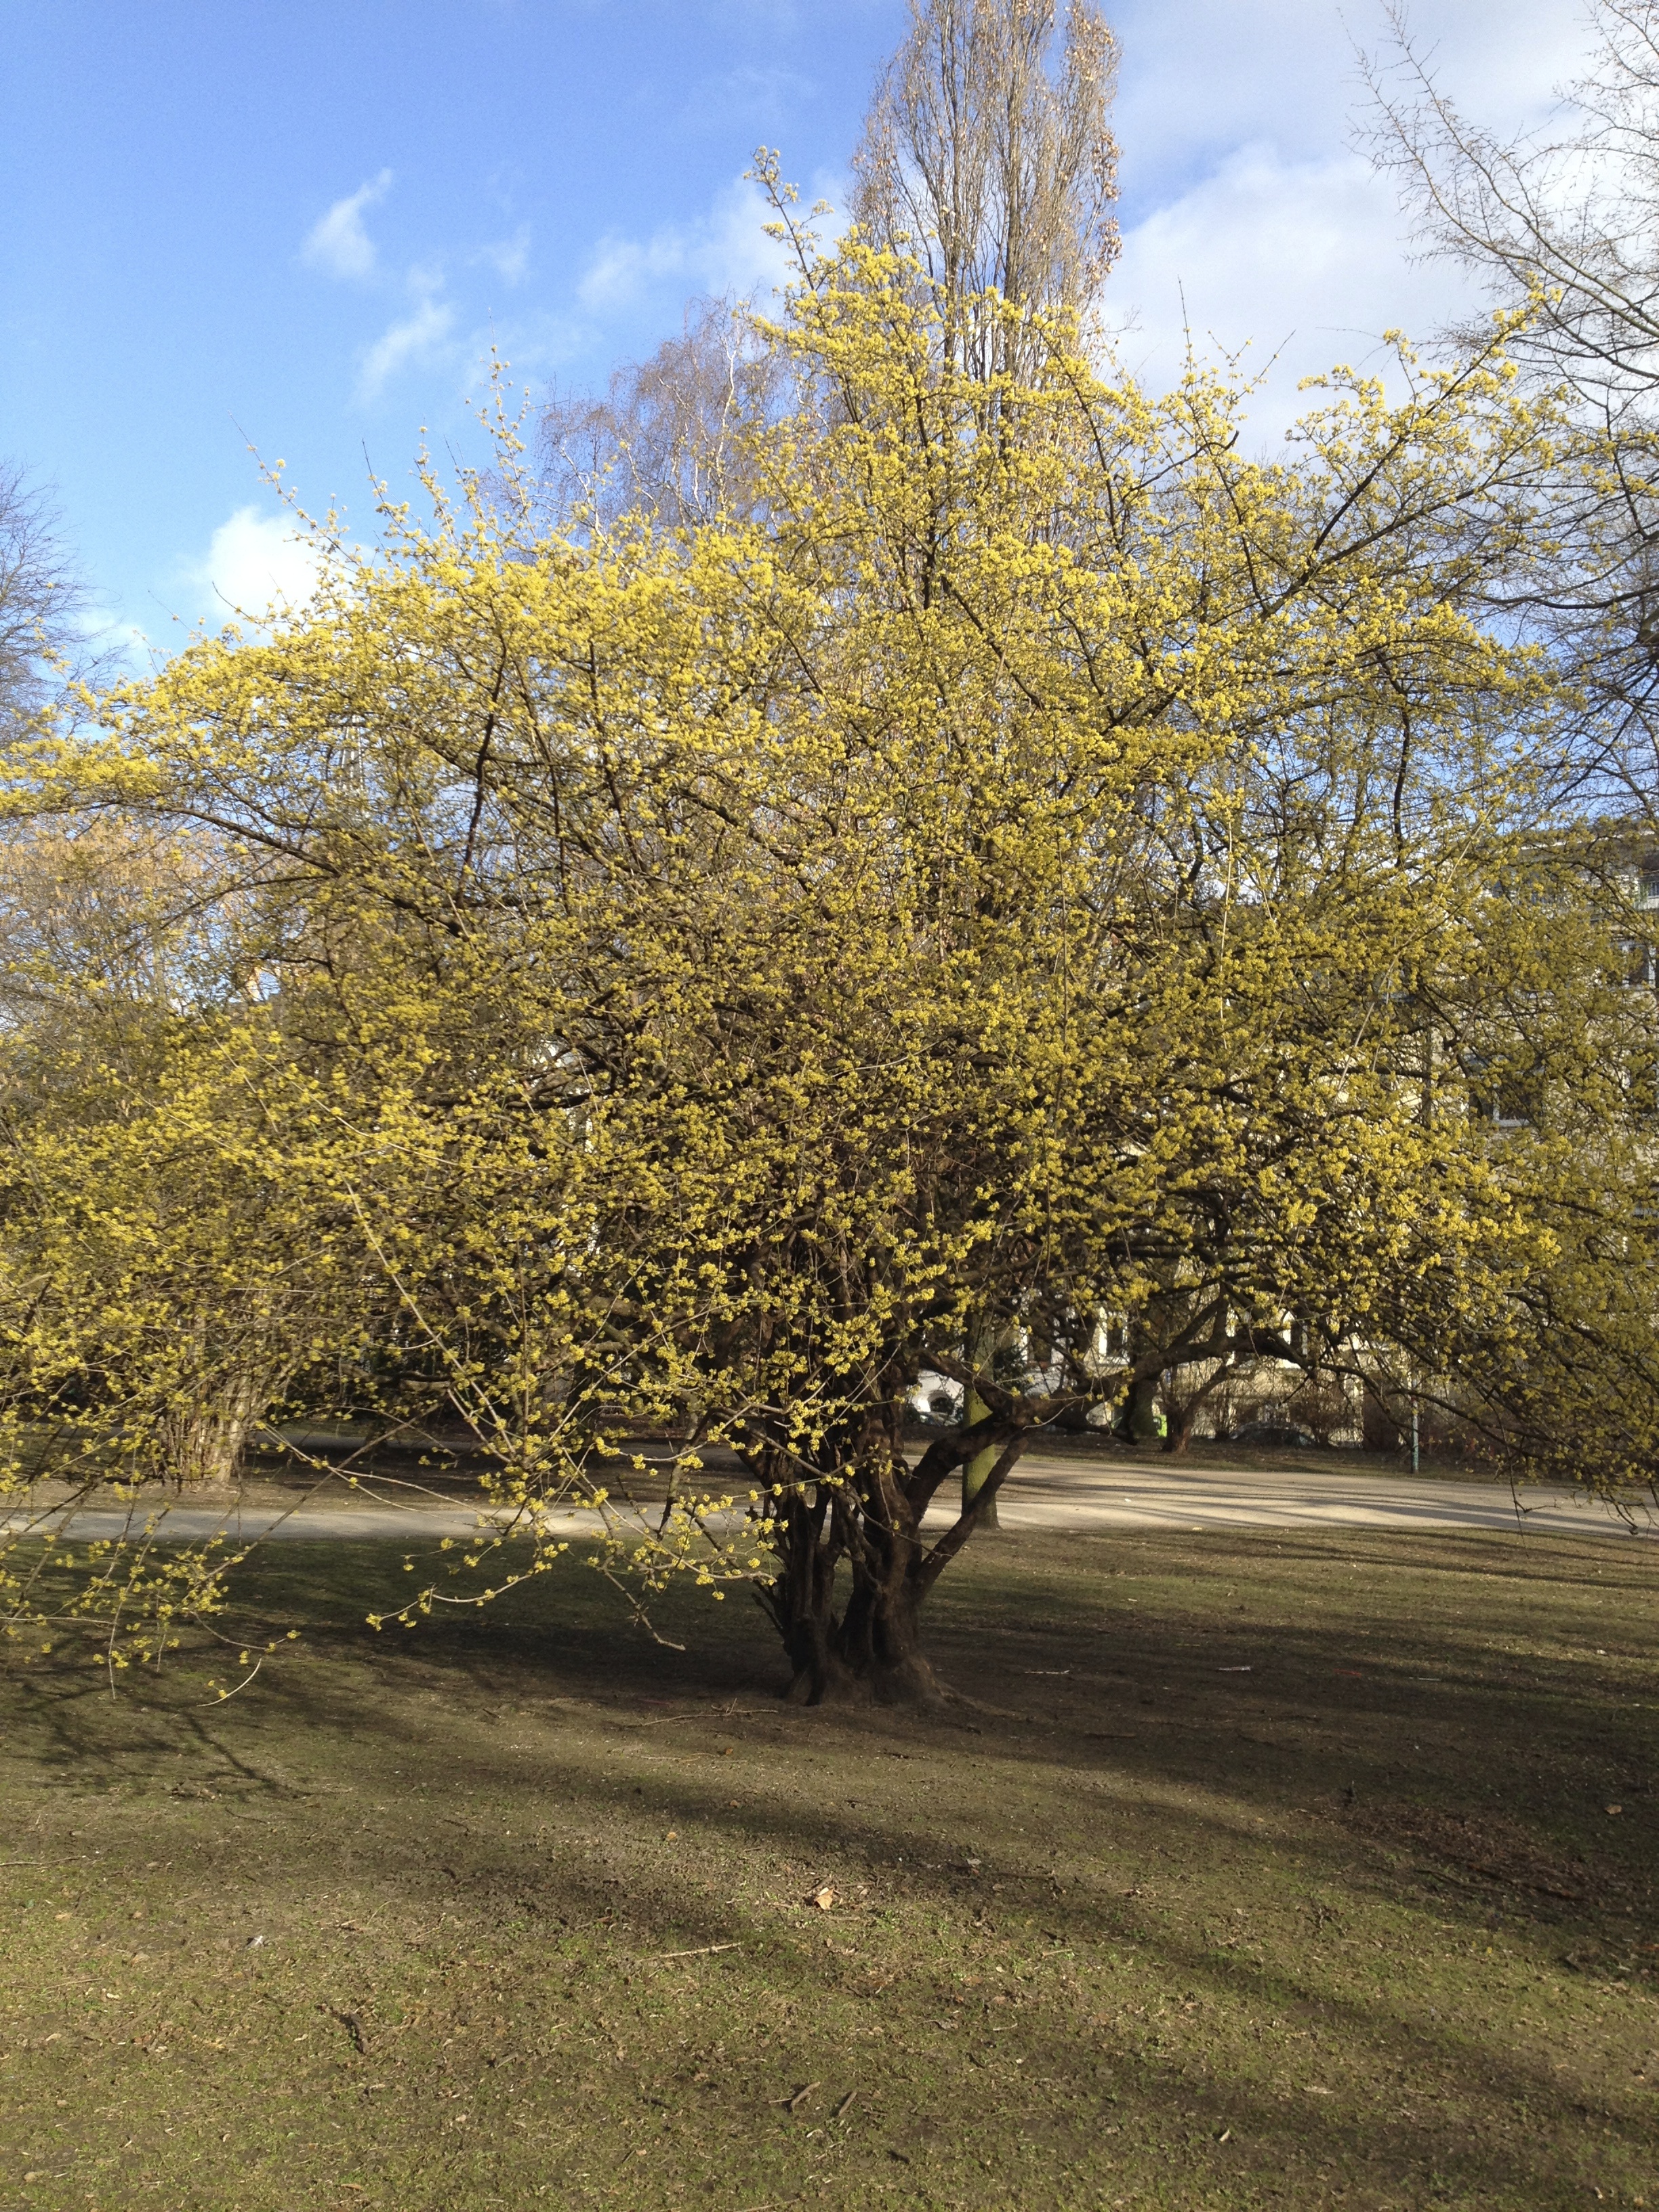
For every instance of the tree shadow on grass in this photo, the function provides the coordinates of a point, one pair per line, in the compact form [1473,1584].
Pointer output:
[1431,1777]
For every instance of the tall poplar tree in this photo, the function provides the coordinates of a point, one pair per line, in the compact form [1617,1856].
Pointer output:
[987,154]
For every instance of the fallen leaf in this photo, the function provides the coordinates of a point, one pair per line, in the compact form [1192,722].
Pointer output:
[823,1899]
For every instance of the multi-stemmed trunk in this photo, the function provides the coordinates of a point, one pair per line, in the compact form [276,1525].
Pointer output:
[870,1646]
[853,1568]
[201,1443]
[202,1448]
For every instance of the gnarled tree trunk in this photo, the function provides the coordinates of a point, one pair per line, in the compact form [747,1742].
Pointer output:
[854,1567]
[204,1446]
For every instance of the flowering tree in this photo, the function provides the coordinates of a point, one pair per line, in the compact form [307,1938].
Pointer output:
[680,981]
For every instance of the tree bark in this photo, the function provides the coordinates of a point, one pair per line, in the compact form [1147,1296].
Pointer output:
[1139,1419]
[202,1443]
[868,1522]
[872,1651]
[975,1471]
[204,1446]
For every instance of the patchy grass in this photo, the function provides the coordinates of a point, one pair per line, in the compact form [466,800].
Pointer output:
[1267,1870]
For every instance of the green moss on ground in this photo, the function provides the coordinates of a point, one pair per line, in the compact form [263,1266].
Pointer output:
[396,1926]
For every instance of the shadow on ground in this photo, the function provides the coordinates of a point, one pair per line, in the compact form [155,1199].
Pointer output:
[1248,1871]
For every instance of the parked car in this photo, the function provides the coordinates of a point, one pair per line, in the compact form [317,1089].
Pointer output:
[1277,1436]
[935,1397]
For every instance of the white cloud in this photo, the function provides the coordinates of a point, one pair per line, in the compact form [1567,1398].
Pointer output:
[338,242]
[416,338]
[1200,78]
[1302,262]
[1251,222]
[620,268]
[509,256]
[726,251]
[254,559]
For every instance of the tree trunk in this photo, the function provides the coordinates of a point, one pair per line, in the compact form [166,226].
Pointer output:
[1139,1421]
[981,1349]
[202,1439]
[872,1650]
[866,1519]
[973,1474]
[875,1651]
[203,1446]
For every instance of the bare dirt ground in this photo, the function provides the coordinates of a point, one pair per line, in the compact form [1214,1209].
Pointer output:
[1288,1867]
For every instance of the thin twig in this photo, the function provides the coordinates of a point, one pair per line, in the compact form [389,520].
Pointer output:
[703,1712]
[702,1951]
[224,1695]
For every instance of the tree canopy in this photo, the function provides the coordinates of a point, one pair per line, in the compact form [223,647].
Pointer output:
[680,977]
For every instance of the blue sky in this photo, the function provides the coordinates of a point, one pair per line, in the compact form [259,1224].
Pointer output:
[300,226]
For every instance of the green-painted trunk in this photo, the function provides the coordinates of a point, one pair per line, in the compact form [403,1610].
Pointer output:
[976,1471]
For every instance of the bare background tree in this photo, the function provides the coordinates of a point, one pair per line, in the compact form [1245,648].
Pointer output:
[661,439]
[987,153]
[1564,223]
[43,604]
[1568,215]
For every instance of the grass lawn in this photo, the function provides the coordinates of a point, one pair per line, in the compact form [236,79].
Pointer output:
[1264,1870]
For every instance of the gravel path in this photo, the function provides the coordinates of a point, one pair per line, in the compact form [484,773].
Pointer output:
[1058,1495]
[1055,1495]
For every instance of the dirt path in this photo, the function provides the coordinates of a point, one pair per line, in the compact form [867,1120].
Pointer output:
[1058,1495]
[1055,1495]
